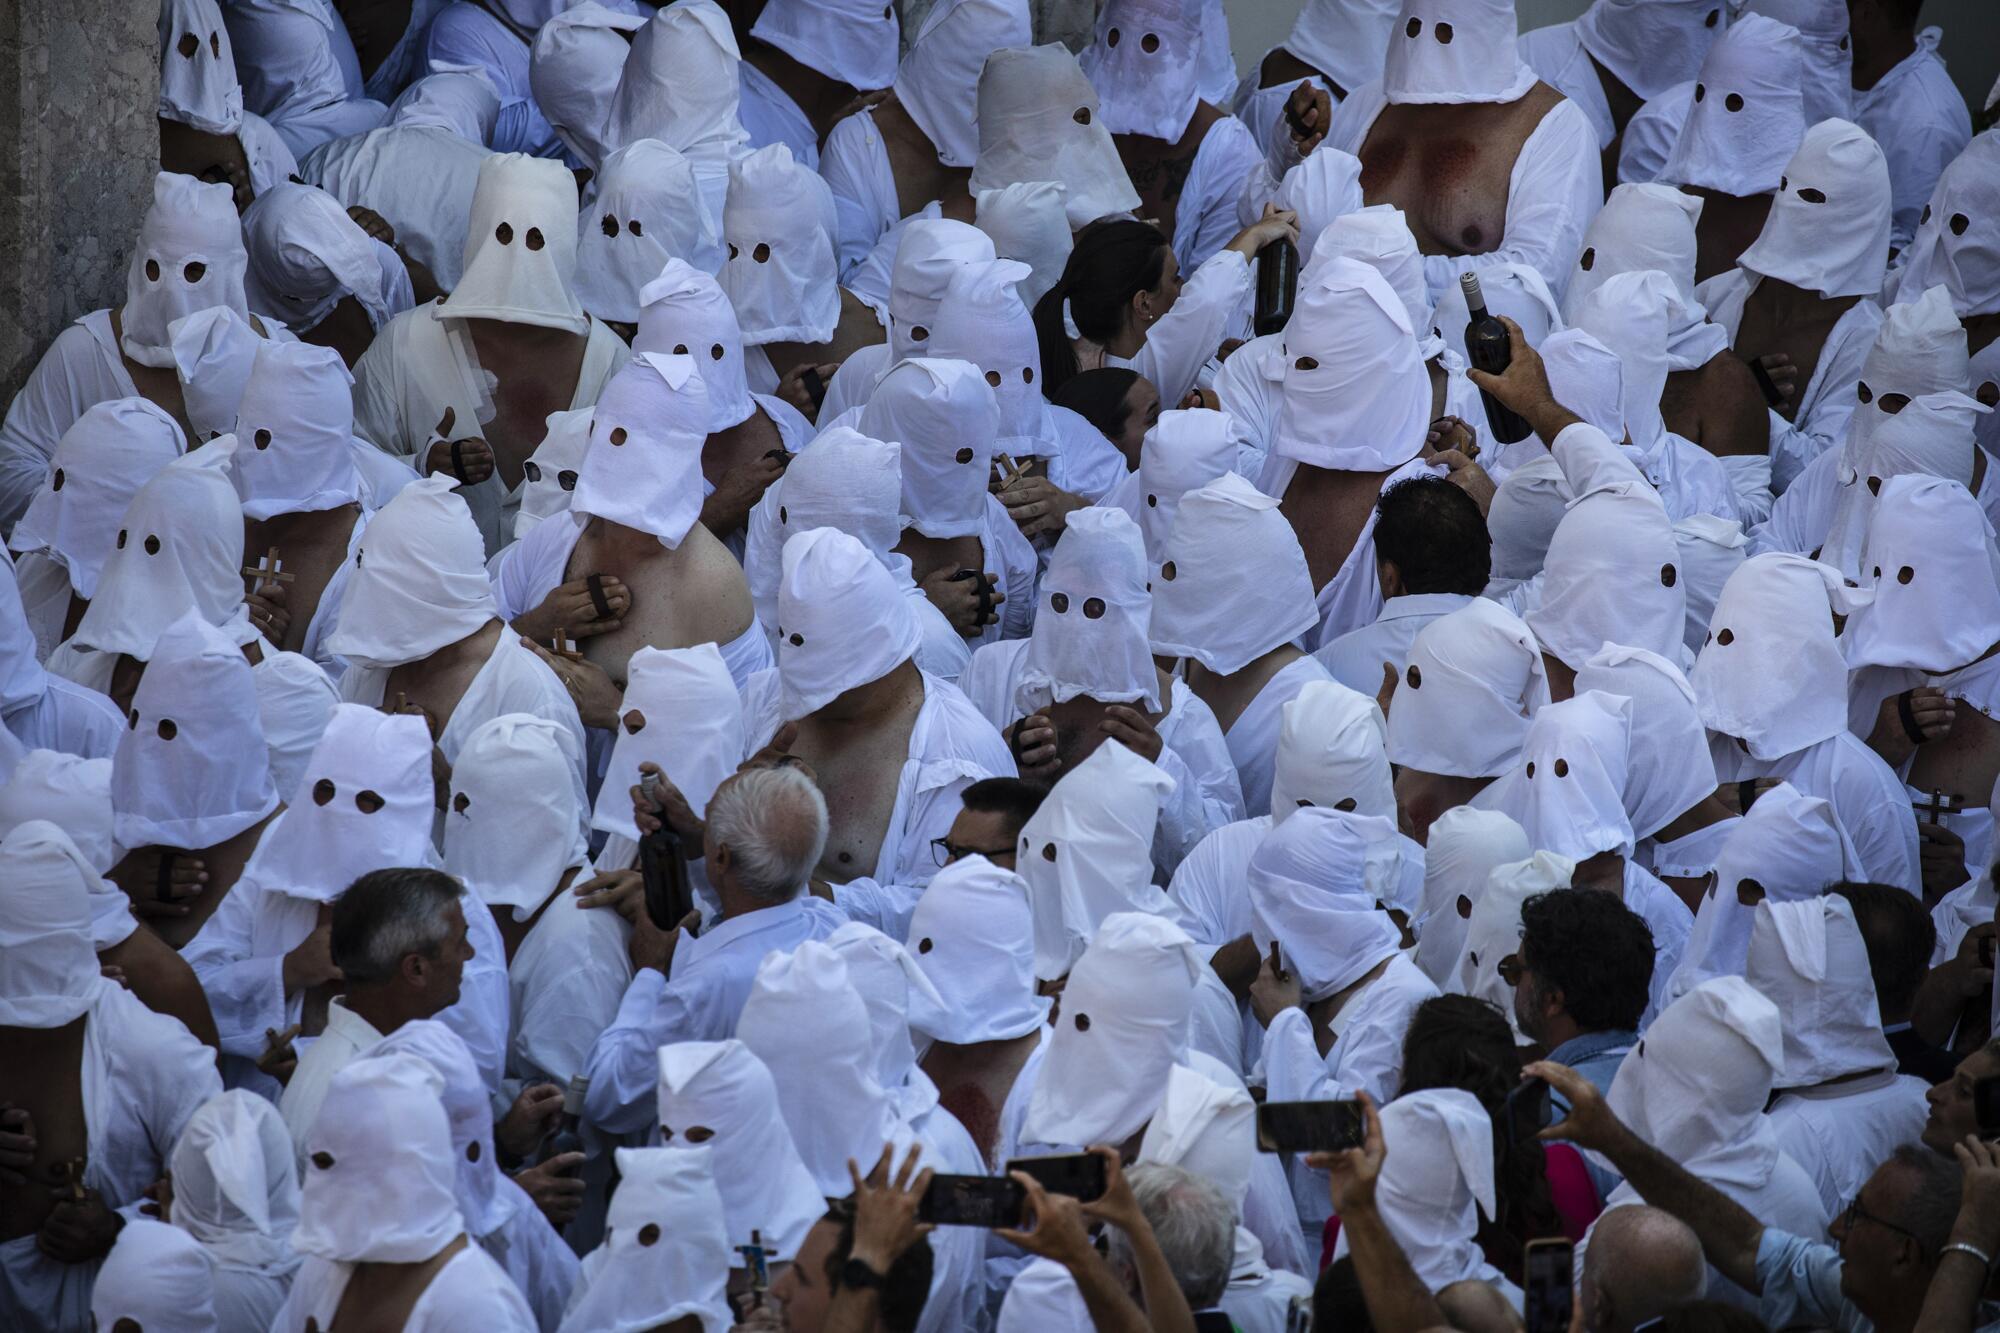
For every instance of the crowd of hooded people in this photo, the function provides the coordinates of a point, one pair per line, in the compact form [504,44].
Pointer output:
[650,628]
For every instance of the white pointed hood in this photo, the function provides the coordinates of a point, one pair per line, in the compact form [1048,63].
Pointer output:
[973,935]
[1641,226]
[418,582]
[48,969]
[1143,63]
[512,825]
[680,711]
[1206,1128]
[378,1184]
[295,432]
[1474,678]
[1039,120]
[842,621]
[294,702]
[1809,960]
[1961,255]
[1029,224]
[1436,1182]
[643,466]
[1493,931]
[845,481]
[1771,674]
[782,274]
[236,1187]
[850,41]
[947,419]
[938,79]
[189,256]
[1567,789]
[1588,378]
[305,254]
[155,1277]
[680,85]
[1935,572]
[1631,314]
[1612,575]
[74,794]
[1356,394]
[98,466]
[1828,229]
[1322,190]
[549,477]
[930,253]
[198,83]
[1234,583]
[484,1199]
[683,312]
[1310,891]
[1711,549]
[1825,53]
[1748,115]
[1090,624]
[214,350]
[635,1283]
[1464,847]
[1346,38]
[1186,449]
[520,246]
[1651,45]
[983,322]
[1668,764]
[1378,236]
[902,1005]
[1455,51]
[1331,753]
[647,212]
[573,72]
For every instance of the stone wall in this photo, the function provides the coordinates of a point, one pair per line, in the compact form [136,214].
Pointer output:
[79,85]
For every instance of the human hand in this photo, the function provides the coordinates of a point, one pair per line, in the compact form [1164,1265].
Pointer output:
[728,507]
[1117,1205]
[623,891]
[154,896]
[1277,224]
[1933,710]
[665,806]
[1352,1172]
[1975,975]
[1275,989]
[1033,741]
[310,963]
[468,459]
[373,223]
[1941,853]
[534,1113]
[792,388]
[159,1198]
[1468,476]
[1979,1193]
[885,1210]
[1308,112]
[860,102]
[1037,505]
[268,610]
[1784,377]
[17,1144]
[571,610]
[1449,433]
[1134,730]
[1051,1225]
[652,947]
[556,1186]
[589,685]
[280,1058]
[1524,385]
[78,1230]
[1590,1123]
[959,599]
[114,975]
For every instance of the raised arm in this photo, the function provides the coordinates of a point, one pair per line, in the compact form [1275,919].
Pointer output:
[1397,1299]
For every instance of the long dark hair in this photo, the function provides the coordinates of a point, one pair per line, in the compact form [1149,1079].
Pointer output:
[1458,1041]
[1112,261]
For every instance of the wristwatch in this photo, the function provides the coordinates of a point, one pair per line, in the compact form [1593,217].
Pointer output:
[856,1275]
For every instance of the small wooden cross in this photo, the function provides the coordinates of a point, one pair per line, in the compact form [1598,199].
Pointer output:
[268,569]
[1011,471]
[1940,805]
[563,646]
[72,1174]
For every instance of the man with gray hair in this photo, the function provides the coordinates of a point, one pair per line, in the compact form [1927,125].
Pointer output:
[1195,1225]
[761,836]
[1641,1263]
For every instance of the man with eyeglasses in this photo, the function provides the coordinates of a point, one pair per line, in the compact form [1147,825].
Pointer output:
[995,811]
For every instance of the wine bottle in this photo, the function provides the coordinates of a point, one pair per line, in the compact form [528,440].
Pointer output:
[1277,286]
[1487,347]
[566,1137]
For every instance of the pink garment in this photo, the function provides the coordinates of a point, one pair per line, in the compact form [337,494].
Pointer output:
[1570,1190]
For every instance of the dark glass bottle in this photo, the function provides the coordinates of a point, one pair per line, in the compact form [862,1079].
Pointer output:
[1486,346]
[1277,286]
[566,1137]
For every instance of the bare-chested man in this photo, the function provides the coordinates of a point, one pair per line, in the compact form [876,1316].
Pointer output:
[806,65]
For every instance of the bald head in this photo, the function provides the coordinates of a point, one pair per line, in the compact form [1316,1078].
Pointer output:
[1641,1263]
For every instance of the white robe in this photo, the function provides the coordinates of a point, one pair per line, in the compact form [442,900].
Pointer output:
[467,34]
[1918,115]
[1356,658]
[855,163]
[1669,920]
[1841,1132]
[1206,217]
[470,1292]
[299,70]
[1689,479]
[1182,342]
[1209,886]
[769,115]
[565,984]
[531,1252]
[1867,799]
[420,178]
[1557,56]
[1253,736]
[69,718]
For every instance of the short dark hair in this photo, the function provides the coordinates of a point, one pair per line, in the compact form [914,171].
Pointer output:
[1098,396]
[1016,798]
[1900,936]
[387,915]
[1595,950]
[1930,1206]
[1435,536]
[906,1285]
[1337,1300]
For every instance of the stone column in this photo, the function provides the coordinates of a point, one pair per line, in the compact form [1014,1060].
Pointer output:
[79,145]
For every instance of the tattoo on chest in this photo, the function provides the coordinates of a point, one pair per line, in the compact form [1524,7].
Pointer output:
[1160,180]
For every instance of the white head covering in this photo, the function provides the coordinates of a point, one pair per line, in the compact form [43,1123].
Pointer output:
[1310,892]
[294,429]
[717,1096]
[1589,379]
[1087,853]
[1493,932]
[484,1198]
[1669,767]
[1439,1168]
[1747,117]
[294,702]
[807,1023]
[1962,256]
[1090,629]
[1143,65]
[1651,45]
[459,98]
[850,41]
[578,58]
[1378,236]
[643,467]
[328,840]
[845,481]
[189,257]
[1568,787]
[973,935]
[379,1179]
[198,83]
[647,212]
[192,771]
[680,711]
[99,464]
[1827,74]
[155,1277]
[1186,449]
[1695,1088]
[1828,229]
[1322,189]
[938,79]
[1330,753]
[930,252]
[680,86]
[179,548]
[1455,51]
[1517,291]
[842,621]
[425,586]
[947,418]
[1641,226]
[520,246]
[1234,583]
[1530,501]
[1809,960]
[983,321]
[1611,576]
[48,969]
[1936,575]
[1464,847]
[1348,39]
[235,1184]
[549,476]
[635,1282]
[902,1003]
[1038,121]
[1711,549]
[782,274]
[683,312]
[1028,224]
[1474,678]
[1207,1129]
[305,254]
[214,350]
[1771,674]
[74,794]
[1631,315]
[1356,396]
[512,826]
[1124,1024]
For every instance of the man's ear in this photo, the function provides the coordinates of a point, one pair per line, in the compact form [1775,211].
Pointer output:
[1390,577]
[415,969]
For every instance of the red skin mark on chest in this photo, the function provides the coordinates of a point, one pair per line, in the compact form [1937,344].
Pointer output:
[1381,162]
[975,1110]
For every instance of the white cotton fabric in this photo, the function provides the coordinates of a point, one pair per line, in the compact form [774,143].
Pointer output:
[74,794]
[1771,674]
[902,1006]
[235,1187]
[1493,931]
[198,84]
[425,585]
[1347,39]
[190,225]
[1641,226]
[1378,236]
[484,1197]
[1631,314]
[1932,563]
[647,212]
[573,71]
[97,468]
[1611,573]
[305,254]
[1567,789]
[512,825]
[1477,62]
[1517,291]
[1809,960]
[1206,1128]
[1234,584]
[929,255]
[1588,378]
[320,846]
[842,622]
[1028,223]
[1124,1024]
[1309,891]
[1464,847]
[1828,228]
[378,1181]
[192,770]
[683,312]
[1711,550]
[680,711]
[782,274]
[1825,52]
[1039,120]
[722,1088]
[294,702]
[983,321]
[850,41]
[937,81]
[520,246]
[1356,395]
[1963,258]
[48,968]
[1754,68]
[155,1277]
[973,935]
[643,466]
[1143,63]
[1668,766]
[680,86]
[1651,45]
[1462,707]
[548,478]
[1186,449]
[1323,190]
[1439,1170]
[947,418]
[294,430]
[1087,854]
[632,1282]
[459,98]
[1331,751]
[1091,623]
[214,350]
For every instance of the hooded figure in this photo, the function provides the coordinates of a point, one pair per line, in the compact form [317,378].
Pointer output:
[1323,190]
[842,623]
[1493,931]
[972,934]
[1356,397]
[1669,769]
[1313,895]
[155,1277]
[47,712]
[1093,620]
[718,1097]
[1808,958]
[294,702]
[782,275]
[455,97]
[1527,506]
[1474,678]
[1771,674]
[1957,242]
[1184,451]
[426,586]
[1747,117]
[1472,58]
[189,256]
[199,89]
[237,1192]
[305,255]
[937,82]
[1649,226]
[1029,225]
[982,321]
[75,795]
[683,311]
[629,1284]
[1567,790]
[680,86]
[573,72]
[680,711]
[1825,53]
[849,41]
[1828,229]
[1039,120]
[295,437]
[520,247]
[214,352]
[1144,65]
[643,467]
[1935,573]
[947,421]
[513,826]
[1234,584]
[902,1006]
[648,211]
[548,478]
[1466,845]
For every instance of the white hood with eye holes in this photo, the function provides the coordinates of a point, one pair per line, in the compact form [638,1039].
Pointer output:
[418,581]
[1090,628]
[513,823]
[1748,115]
[1651,45]
[1144,65]
[378,1182]
[947,418]
[1828,229]
[1039,120]
[1455,51]
[189,256]
[680,711]
[643,466]
[520,246]
[683,312]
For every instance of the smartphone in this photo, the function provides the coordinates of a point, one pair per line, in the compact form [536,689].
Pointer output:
[669,893]
[972,1201]
[1527,1110]
[815,388]
[1079,1175]
[1310,1126]
[1546,1285]
[1986,1105]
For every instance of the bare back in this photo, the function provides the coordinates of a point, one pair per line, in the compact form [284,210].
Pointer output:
[1450,168]
[913,161]
[692,594]
[1327,510]
[1228,697]
[378,1298]
[1718,406]
[311,547]
[536,370]
[44,1078]
[1775,321]
[1728,225]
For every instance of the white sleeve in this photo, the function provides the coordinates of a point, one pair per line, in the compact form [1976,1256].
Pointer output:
[1590,462]
[1200,888]
[68,379]
[1184,339]
[1233,169]
[854,162]
[1294,1070]
[246,993]
[570,993]
[378,398]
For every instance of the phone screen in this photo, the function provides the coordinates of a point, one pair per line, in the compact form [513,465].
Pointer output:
[1546,1285]
[1309,1126]
[1079,1175]
[1986,1105]
[1527,1110]
[972,1201]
